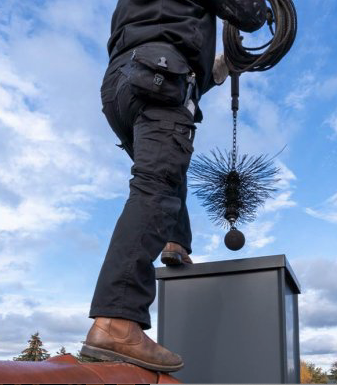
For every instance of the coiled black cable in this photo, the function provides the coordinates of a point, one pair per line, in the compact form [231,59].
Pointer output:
[282,14]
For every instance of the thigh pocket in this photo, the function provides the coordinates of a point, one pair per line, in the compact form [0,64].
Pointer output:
[180,153]
[147,145]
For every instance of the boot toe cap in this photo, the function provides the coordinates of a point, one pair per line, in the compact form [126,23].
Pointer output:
[170,359]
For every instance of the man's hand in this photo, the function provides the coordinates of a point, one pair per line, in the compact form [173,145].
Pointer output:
[220,69]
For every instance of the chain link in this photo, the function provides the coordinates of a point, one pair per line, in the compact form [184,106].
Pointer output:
[234,155]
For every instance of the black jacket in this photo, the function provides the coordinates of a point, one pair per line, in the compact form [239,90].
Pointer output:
[184,23]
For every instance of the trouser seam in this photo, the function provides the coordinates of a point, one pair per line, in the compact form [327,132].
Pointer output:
[127,274]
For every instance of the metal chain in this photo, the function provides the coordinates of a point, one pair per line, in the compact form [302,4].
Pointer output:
[234,155]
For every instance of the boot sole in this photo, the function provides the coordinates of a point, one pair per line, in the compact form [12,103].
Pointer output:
[109,355]
[170,258]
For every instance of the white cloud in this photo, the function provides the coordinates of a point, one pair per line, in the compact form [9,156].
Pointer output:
[18,303]
[10,79]
[326,211]
[48,170]
[326,216]
[317,310]
[318,274]
[319,342]
[304,88]
[15,115]
[202,258]
[14,267]
[257,234]
[89,19]
[283,198]
[319,346]
[57,326]
[57,156]
[285,175]
[263,126]
[332,123]
[328,88]
[214,243]
[281,201]
[33,215]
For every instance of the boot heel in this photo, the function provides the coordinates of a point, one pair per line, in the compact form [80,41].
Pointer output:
[171,258]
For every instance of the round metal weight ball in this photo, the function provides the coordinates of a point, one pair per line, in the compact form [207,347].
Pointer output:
[235,240]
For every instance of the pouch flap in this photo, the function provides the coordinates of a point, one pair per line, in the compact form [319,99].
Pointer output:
[162,58]
[176,115]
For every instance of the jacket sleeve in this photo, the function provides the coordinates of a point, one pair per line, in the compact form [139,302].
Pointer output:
[246,15]
[210,84]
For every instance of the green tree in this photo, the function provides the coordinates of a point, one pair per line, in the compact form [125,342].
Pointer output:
[317,374]
[62,351]
[34,352]
[333,371]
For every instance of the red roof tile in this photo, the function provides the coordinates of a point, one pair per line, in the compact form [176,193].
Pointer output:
[66,369]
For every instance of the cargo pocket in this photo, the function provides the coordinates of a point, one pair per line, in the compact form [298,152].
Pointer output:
[147,145]
[180,153]
[184,143]
[159,73]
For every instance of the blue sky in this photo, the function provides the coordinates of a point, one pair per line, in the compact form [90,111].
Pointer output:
[63,182]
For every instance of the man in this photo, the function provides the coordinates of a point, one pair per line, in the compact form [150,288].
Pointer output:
[162,54]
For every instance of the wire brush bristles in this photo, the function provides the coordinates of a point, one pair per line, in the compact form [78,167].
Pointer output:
[232,194]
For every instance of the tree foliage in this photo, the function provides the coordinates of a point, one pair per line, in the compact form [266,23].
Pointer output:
[34,352]
[310,374]
[62,351]
[333,371]
[305,374]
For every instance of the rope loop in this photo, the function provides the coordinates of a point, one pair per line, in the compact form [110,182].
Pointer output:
[241,59]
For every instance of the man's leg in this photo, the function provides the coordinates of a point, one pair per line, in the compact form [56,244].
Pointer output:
[181,233]
[126,285]
[178,248]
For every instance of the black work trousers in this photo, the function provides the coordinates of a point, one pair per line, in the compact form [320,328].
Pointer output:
[159,139]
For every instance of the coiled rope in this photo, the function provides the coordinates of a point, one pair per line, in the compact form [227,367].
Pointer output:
[282,22]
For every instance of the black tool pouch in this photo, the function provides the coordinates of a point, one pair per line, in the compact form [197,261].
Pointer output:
[159,73]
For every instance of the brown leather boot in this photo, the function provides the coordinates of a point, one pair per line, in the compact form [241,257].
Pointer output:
[174,254]
[117,339]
